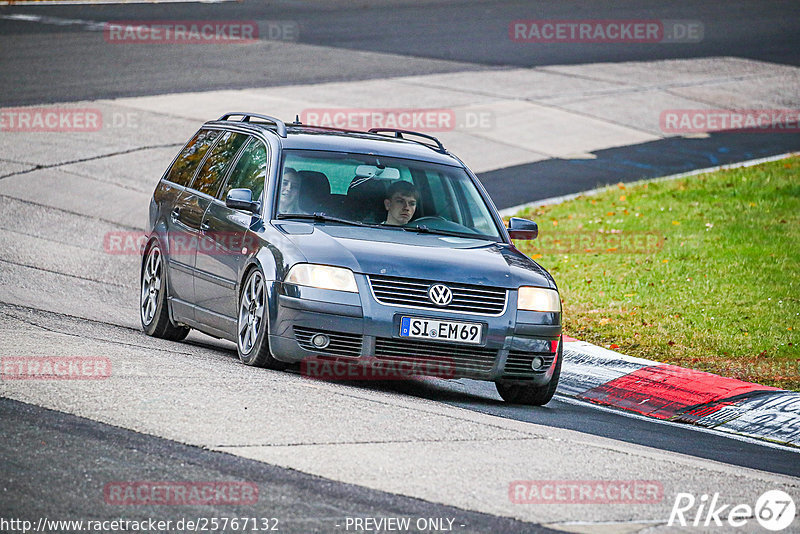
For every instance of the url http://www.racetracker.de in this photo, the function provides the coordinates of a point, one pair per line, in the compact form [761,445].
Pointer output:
[198,524]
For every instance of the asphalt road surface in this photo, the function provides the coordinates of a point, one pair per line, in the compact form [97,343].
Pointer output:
[57,466]
[63,60]
[68,461]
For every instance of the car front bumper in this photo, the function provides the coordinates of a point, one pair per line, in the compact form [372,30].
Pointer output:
[362,329]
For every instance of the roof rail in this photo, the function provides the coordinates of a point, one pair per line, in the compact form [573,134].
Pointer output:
[279,124]
[328,128]
[399,135]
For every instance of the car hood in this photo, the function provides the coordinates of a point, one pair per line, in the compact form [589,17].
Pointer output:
[413,255]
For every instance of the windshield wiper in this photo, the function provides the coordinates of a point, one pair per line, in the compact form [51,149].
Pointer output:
[422,229]
[321,217]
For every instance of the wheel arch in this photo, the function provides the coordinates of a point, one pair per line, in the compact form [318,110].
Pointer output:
[156,237]
[251,264]
[267,268]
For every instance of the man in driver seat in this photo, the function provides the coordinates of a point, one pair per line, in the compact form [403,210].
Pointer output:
[400,202]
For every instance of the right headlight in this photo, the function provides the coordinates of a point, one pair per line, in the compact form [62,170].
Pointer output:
[538,299]
[323,277]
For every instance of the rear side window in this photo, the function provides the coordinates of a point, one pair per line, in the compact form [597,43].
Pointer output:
[250,171]
[211,174]
[183,169]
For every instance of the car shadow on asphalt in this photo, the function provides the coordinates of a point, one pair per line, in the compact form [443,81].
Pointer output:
[480,396]
[436,389]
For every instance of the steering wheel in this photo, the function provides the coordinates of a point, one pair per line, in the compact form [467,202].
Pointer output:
[430,218]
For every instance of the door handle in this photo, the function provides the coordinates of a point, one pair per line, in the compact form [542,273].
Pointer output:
[176,213]
[204,226]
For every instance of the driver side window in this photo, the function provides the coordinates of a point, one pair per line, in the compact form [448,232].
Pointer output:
[250,171]
[443,197]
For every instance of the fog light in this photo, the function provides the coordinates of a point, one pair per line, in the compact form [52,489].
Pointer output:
[320,341]
[537,363]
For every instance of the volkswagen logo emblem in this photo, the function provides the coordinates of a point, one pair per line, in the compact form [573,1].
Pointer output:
[440,294]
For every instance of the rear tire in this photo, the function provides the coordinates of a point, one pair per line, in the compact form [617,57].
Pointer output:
[252,336]
[529,394]
[153,310]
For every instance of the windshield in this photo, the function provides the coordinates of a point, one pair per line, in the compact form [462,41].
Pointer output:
[388,192]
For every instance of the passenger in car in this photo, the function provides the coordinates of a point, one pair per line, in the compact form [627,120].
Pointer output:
[290,192]
[400,202]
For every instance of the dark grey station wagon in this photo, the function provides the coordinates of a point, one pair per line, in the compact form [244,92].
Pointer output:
[299,242]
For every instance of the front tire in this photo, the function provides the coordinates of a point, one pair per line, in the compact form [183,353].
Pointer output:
[153,310]
[529,394]
[252,338]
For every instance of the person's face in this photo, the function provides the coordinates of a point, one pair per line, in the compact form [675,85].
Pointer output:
[401,208]
[289,189]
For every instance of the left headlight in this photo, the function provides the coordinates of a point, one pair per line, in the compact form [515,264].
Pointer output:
[538,299]
[322,277]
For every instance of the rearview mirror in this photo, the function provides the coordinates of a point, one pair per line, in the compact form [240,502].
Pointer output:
[522,228]
[241,199]
[371,171]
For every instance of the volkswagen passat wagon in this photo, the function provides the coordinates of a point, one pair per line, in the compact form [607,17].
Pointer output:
[297,241]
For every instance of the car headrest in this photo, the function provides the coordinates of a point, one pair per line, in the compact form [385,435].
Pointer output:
[315,191]
[314,181]
[365,199]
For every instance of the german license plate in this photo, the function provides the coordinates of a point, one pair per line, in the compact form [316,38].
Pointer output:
[437,329]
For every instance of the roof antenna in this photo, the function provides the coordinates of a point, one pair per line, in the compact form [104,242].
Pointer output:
[297,119]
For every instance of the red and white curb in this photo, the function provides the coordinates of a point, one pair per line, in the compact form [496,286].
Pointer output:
[672,393]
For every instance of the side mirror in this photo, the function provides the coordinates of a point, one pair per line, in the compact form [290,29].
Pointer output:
[241,199]
[522,228]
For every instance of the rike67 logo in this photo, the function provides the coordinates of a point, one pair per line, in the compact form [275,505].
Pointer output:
[774,510]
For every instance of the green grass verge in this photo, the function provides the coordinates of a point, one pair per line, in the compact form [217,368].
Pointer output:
[701,272]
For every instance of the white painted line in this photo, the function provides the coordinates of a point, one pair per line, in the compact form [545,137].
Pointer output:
[56,21]
[627,526]
[596,351]
[508,212]
[587,523]
[632,415]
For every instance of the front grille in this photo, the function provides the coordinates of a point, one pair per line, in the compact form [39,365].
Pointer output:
[518,364]
[466,298]
[341,344]
[464,360]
